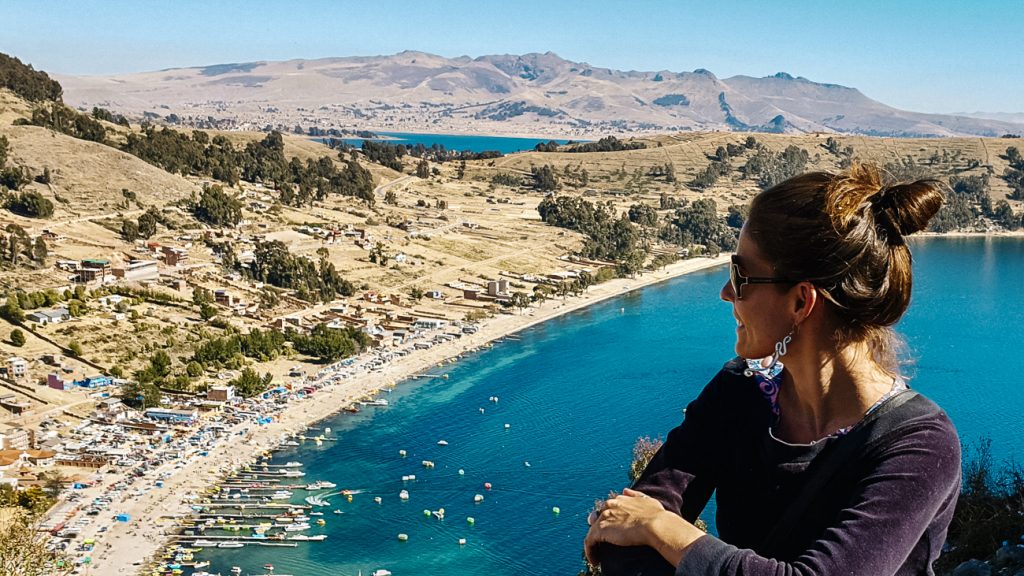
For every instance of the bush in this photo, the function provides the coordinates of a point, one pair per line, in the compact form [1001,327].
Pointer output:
[30,204]
[17,338]
[989,509]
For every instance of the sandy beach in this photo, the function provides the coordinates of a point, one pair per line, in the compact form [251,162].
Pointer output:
[120,550]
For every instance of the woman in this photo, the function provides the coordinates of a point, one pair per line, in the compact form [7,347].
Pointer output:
[824,463]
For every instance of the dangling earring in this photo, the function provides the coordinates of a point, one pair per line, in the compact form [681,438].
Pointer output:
[774,367]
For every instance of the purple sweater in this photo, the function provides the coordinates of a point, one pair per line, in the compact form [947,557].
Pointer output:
[883,513]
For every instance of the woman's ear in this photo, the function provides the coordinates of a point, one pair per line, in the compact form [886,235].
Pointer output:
[805,302]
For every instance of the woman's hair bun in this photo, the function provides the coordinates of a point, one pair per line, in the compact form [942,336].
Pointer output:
[899,209]
[907,208]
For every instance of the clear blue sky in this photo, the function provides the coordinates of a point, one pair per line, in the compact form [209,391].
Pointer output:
[927,56]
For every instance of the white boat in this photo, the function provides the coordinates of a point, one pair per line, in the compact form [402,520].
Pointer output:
[377,402]
[320,485]
[236,570]
[442,442]
[281,495]
[381,572]
[293,464]
[204,544]
[296,527]
[293,473]
[230,545]
[290,443]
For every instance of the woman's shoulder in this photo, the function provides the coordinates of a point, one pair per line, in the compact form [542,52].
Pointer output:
[921,425]
[730,388]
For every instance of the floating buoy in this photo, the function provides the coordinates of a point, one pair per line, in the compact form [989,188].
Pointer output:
[403,537]
[481,410]
[478,498]
[462,541]
[442,442]
[445,376]
[408,478]
[327,430]
[487,485]
[556,509]
[401,453]
[321,522]
[404,494]
[377,499]
[428,464]
[426,513]
[507,426]
[348,497]
[470,520]
[526,463]
[462,472]
[493,399]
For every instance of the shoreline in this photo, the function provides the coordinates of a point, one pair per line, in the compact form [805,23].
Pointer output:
[139,540]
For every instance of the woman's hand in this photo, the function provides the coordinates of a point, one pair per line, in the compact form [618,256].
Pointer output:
[635,519]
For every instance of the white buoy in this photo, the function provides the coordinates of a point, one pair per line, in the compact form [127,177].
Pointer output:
[556,509]
[401,453]
[462,472]
[327,430]
[526,463]
[462,541]
[377,499]
[507,426]
[478,498]
[403,537]
[470,520]
[481,410]
[404,494]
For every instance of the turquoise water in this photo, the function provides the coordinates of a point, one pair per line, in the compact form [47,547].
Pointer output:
[460,142]
[577,391]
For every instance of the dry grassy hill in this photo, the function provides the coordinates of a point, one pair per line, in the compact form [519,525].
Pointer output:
[438,233]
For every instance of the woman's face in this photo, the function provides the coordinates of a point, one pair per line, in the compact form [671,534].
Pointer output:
[761,316]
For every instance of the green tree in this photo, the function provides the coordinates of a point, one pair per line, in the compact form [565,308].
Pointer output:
[31,204]
[140,395]
[207,311]
[520,300]
[194,369]
[39,250]
[416,293]
[148,222]
[17,338]
[423,169]
[12,311]
[249,383]
[129,230]
[75,348]
[216,207]
[391,198]
[544,178]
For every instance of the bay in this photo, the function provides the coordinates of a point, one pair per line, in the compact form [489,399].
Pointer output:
[577,391]
[459,142]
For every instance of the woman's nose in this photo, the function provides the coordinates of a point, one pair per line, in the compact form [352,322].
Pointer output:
[727,293]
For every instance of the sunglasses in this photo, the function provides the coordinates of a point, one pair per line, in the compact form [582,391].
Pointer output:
[738,280]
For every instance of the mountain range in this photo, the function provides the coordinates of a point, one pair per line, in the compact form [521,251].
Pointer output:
[525,94]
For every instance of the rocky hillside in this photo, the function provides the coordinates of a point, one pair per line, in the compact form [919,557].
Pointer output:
[532,93]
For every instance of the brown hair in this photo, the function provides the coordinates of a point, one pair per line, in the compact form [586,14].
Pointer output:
[845,234]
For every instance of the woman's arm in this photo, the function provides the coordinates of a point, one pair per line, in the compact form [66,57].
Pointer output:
[909,495]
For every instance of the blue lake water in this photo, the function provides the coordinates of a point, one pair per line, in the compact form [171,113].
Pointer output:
[460,142]
[577,392]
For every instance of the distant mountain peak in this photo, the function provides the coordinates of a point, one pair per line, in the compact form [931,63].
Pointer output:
[502,93]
